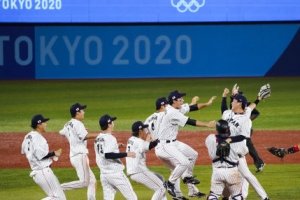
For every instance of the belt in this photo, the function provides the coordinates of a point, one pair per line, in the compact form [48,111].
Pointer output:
[166,141]
[226,167]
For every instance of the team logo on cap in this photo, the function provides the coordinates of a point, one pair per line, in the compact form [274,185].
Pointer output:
[187,5]
[140,127]
[108,121]
[173,97]
[77,109]
[39,121]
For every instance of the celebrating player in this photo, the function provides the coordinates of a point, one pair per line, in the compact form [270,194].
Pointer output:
[108,160]
[258,162]
[225,171]
[77,135]
[240,125]
[169,149]
[154,120]
[37,152]
[136,167]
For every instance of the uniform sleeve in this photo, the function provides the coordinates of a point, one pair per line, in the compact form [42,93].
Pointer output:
[23,147]
[81,131]
[40,148]
[248,112]
[246,126]
[64,131]
[226,114]
[185,108]
[211,144]
[241,149]
[178,118]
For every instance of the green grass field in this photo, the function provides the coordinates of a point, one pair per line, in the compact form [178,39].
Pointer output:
[132,100]
[281,182]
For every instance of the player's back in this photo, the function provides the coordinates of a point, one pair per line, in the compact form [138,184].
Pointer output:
[107,143]
[75,132]
[236,150]
[137,164]
[153,121]
[35,147]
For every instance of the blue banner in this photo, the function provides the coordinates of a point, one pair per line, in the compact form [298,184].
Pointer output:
[17,53]
[159,51]
[95,11]
[92,52]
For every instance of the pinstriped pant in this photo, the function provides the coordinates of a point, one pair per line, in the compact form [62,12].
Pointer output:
[86,177]
[46,179]
[117,181]
[150,180]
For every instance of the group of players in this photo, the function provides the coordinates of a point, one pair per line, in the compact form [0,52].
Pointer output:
[231,175]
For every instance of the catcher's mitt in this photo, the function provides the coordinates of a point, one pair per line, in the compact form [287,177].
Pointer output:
[265,91]
[279,152]
[223,149]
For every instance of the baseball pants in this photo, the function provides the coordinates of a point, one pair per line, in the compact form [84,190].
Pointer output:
[86,177]
[152,181]
[118,181]
[253,153]
[249,178]
[46,179]
[225,177]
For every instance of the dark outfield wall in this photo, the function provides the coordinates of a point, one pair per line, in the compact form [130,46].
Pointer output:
[149,51]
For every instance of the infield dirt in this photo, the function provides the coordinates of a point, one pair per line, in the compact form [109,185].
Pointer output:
[10,147]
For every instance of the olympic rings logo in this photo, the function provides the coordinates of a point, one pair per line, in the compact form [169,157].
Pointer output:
[182,6]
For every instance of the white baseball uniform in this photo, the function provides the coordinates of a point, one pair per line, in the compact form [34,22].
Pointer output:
[75,132]
[36,148]
[225,173]
[111,170]
[138,171]
[166,132]
[240,124]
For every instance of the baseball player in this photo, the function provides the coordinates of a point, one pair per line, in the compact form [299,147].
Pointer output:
[37,152]
[154,120]
[169,149]
[225,171]
[240,125]
[77,135]
[281,152]
[108,160]
[258,162]
[136,167]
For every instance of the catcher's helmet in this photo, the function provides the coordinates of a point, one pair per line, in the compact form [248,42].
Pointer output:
[223,128]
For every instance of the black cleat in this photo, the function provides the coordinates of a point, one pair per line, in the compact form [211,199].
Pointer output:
[170,188]
[260,168]
[191,180]
[180,198]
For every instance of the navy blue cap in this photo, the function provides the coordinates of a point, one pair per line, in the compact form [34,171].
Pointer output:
[160,102]
[106,119]
[242,99]
[38,119]
[76,108]
[138,125]
[175,95]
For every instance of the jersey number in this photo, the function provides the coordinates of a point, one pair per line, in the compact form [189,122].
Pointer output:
[99,148]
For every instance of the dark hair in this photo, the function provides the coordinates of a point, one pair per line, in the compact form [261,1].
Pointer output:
[136,133]
[34,126]
[104,127]
[73,115]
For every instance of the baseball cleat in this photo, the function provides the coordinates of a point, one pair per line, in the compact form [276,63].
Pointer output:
[198,194]
[180,198]
[260,168]
[170,188]
[191,180]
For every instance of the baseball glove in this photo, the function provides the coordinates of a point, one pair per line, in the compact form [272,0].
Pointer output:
[265,91]
[223,149]
[279,152]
